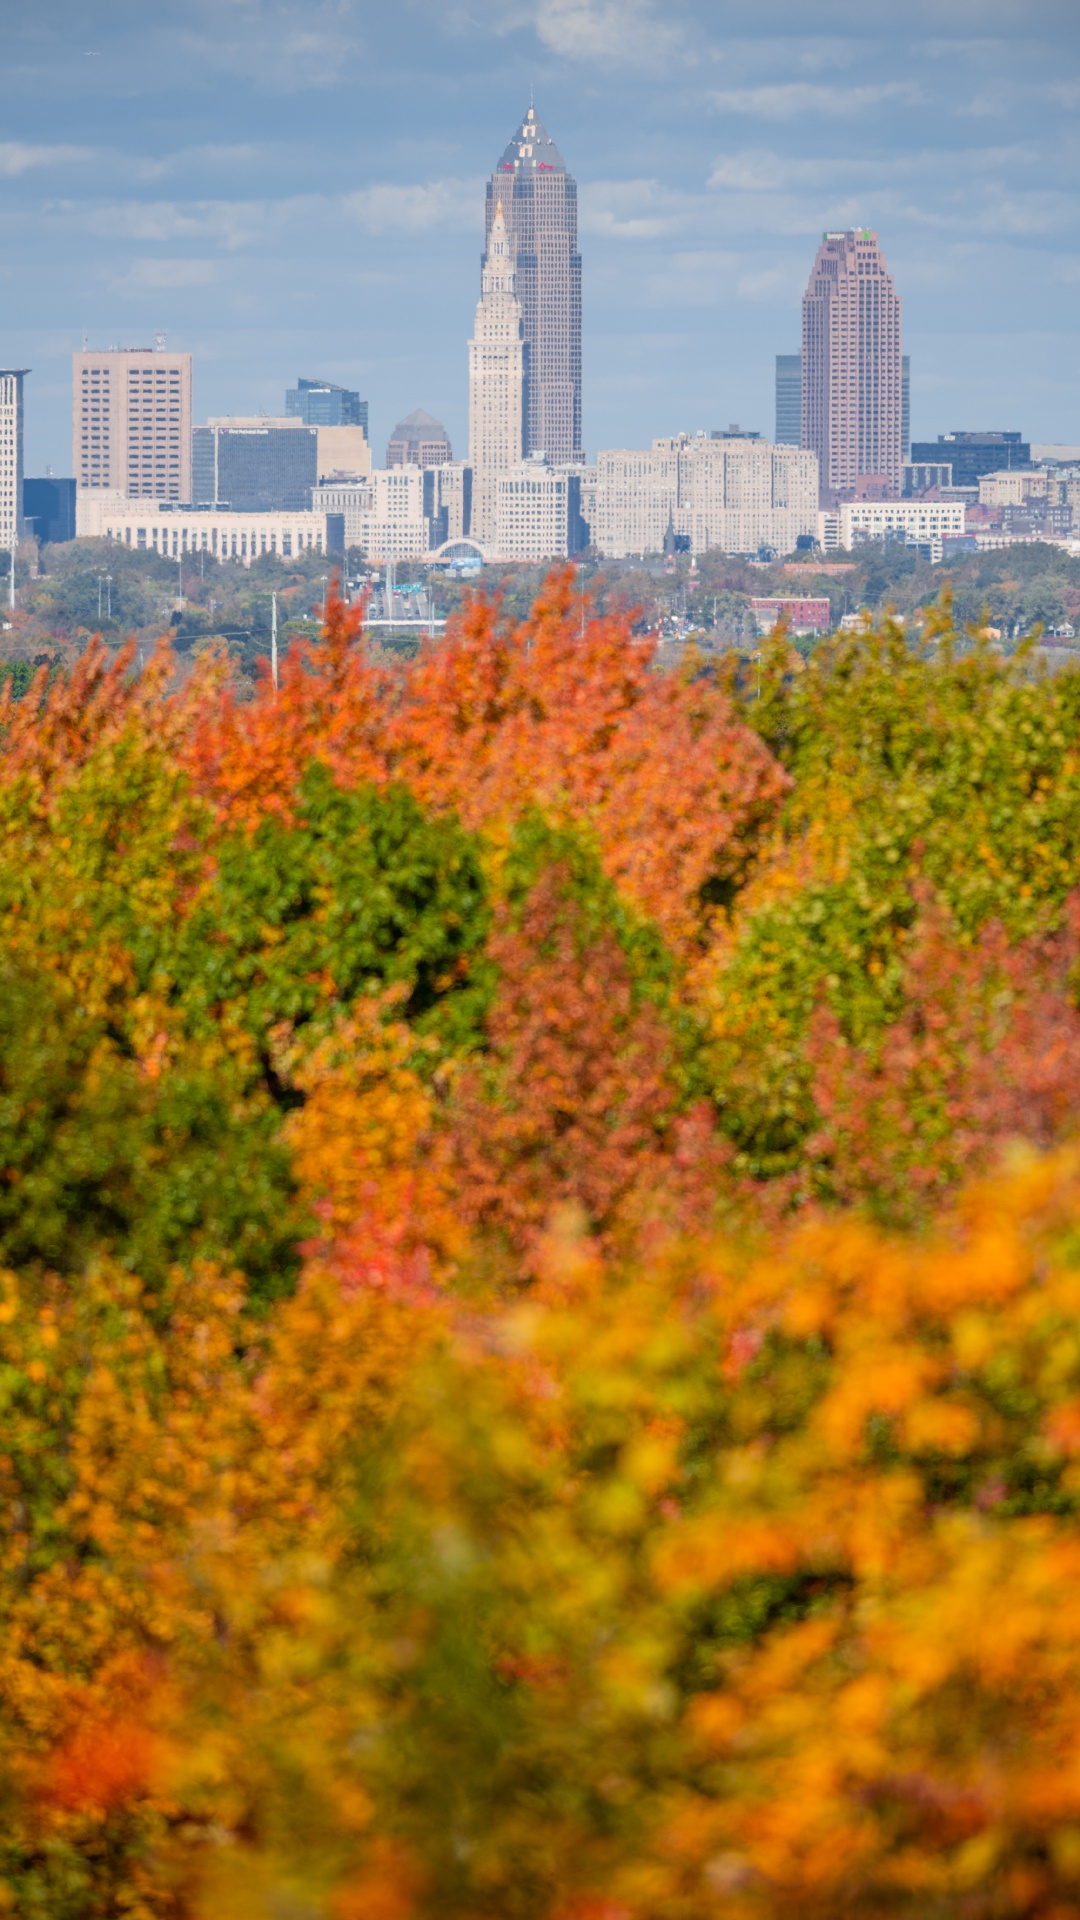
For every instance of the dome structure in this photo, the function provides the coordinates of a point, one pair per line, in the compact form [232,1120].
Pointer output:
[419,441]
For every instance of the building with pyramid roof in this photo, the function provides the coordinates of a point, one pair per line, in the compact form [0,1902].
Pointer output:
[419,441]
[539,203]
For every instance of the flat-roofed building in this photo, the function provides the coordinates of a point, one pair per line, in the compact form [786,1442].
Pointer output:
[537,512]
[155,527]
[731,492]
[920,521]
[254,464]
[131,422]
[800,615]
[385,515]
[789,399]
[11,455]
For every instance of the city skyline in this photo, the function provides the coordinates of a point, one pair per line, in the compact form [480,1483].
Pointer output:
[207,173]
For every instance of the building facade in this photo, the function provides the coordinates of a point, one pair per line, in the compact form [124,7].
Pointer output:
[537,512]
[852,373]
[11,456]
[920,521]
[539,202]
[387,515]
[972,454]
[319,403]
[789,400]
[254,465]
[171,532]
[733,493]
[497,380]
[419,441]
[131,423]
[49,508]
[799,615]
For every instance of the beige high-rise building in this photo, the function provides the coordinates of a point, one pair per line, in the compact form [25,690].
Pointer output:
[498,375]
[728,492]
[11,456]
[131,422]
[852,369]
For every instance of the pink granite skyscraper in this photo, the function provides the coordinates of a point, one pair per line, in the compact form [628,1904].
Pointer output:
[852,385]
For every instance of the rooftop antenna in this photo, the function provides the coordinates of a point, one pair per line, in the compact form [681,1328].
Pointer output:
[161,341]
[85,341]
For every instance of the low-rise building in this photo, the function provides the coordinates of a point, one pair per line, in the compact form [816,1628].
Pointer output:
[157,527]
[800,615]
[918,521]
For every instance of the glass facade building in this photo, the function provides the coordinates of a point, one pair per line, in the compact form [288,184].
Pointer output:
[788,400]
[49,508]
[254,468]
[318,403]
[972,454]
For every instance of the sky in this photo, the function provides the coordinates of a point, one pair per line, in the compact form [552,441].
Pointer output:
[296,187]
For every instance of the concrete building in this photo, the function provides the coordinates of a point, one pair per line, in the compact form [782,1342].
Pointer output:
[852,397]
[970,455]
[537,512]
[11,456]
[732,492]
[154,527]
[920,521]
[788,400]
[497,381]
[131,422]
[385,514]
[452,485]
[539,201]
[254,465]
[1013,488]
[49,509]
[418,441]
[319,403]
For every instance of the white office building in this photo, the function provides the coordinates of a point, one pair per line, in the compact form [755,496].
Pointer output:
[732,492]
[386,514]
[155,527]
[920,521]
[537,513]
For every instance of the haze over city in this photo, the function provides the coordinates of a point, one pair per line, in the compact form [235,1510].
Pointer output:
[290,189]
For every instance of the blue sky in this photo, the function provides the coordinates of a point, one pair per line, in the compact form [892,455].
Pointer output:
[296,187]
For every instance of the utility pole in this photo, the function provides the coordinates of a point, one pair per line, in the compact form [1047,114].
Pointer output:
[108,592]
[273,639]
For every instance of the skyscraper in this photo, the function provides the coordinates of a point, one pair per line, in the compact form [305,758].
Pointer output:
[539,202]
[131,422]
[498,385]
[11,456]
[851,369]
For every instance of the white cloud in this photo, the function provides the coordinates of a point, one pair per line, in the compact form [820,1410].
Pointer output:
[624,31]
[232,224]
[789,100]
[16,157]
[631,209]
[417,209]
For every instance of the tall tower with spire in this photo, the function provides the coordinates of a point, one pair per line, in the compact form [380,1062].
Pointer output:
[539,202]
[498,379]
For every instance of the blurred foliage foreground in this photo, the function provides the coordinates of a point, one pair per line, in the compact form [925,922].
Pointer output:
[540,1294]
